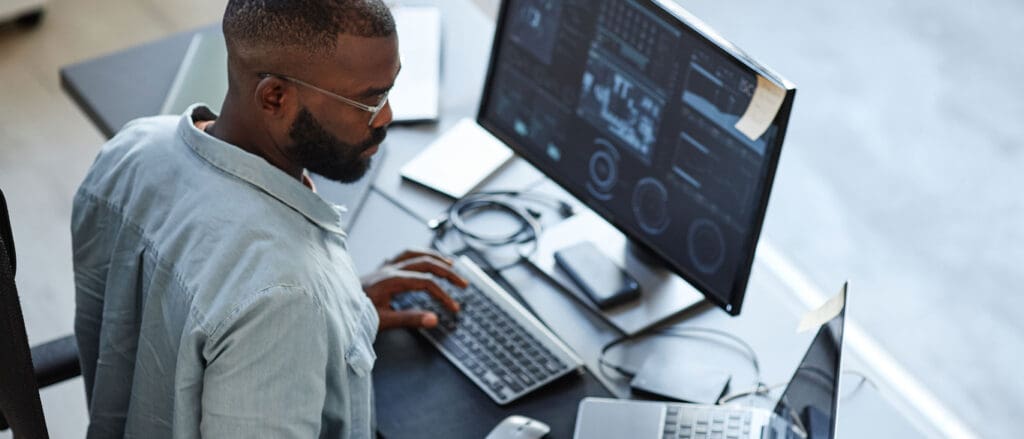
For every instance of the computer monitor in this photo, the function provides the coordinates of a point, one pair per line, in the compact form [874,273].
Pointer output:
[662,127]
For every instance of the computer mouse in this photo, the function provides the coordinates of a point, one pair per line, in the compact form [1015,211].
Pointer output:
[519,427]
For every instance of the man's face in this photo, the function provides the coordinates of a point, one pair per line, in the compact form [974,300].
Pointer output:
[335,139]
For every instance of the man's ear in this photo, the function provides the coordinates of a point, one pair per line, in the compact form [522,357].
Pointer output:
[274,97]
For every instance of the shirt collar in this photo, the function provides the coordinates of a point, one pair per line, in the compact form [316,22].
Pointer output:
[258,172]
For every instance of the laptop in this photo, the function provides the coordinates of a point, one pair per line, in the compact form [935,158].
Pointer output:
[806,409]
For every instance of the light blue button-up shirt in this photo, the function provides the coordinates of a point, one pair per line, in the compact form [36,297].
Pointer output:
[215,296]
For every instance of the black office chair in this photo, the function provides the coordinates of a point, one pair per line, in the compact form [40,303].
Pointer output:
[55,361]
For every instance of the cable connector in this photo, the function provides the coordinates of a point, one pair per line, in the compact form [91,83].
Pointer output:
[437,223]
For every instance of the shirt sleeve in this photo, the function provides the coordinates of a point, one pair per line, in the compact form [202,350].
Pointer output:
[91,258]
[266,365]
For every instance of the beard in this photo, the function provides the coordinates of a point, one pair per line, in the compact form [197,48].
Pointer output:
[318,151]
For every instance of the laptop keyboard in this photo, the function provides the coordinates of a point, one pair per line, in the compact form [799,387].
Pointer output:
[503,357]
[686,422]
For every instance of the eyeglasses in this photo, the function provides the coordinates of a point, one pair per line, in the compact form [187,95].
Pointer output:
[374,110]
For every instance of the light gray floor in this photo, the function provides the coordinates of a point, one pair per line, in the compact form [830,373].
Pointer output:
[901,171]
[47,144]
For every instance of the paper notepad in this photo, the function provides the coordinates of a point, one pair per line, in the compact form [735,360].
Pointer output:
[458,161]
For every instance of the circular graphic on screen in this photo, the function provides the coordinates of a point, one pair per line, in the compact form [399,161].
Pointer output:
[604,170]
[650,205]
[706,245]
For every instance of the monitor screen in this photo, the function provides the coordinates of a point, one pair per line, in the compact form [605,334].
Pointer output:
[633,107]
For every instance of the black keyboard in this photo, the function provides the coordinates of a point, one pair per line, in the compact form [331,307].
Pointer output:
[688,422]
[493,340]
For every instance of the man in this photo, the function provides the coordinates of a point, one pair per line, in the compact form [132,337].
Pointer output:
[215,296]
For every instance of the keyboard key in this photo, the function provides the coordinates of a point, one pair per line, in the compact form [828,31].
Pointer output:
[491,378]
[526,379]
[515,368]
[507,393]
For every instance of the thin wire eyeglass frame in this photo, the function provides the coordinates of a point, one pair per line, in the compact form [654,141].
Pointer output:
[374,110]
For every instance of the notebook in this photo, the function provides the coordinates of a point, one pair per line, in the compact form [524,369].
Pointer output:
[459,161]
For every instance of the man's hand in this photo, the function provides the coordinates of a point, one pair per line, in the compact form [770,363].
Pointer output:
[413,270]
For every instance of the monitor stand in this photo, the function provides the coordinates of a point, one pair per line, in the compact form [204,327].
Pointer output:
[663,293]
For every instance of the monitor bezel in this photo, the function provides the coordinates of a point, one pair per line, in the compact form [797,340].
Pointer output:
[688,23]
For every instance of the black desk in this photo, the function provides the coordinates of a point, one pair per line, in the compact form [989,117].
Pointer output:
[117,88]
[112,90]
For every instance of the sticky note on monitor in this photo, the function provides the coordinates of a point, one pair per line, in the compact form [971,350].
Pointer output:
[763,107]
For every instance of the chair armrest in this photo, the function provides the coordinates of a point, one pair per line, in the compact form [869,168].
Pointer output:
[56,361]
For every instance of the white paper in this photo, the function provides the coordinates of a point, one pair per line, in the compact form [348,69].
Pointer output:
[763,107]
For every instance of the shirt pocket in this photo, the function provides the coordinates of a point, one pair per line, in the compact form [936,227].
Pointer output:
[360,358]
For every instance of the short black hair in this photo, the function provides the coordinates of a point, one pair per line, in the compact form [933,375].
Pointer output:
[313,25]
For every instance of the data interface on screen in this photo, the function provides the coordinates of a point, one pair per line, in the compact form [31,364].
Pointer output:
[635,113]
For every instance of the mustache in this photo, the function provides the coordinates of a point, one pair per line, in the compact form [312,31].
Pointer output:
[377,136]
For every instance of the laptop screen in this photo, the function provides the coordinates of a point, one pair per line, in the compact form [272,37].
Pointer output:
[812,396]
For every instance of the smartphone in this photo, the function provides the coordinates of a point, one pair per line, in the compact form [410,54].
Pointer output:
[599,277]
